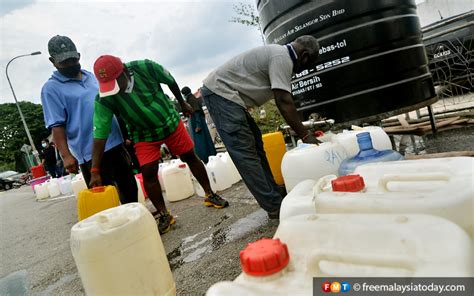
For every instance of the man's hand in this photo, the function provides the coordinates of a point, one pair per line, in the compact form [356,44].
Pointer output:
[186,108]
[96,180]
[198,130]
[128,142]
[311,139]
[71,164]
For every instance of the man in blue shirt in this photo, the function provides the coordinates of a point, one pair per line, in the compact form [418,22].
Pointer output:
[68,106]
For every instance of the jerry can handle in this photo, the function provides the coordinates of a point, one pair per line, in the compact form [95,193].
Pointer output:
[363,260]
[383,182]
[98,189]
[323,185]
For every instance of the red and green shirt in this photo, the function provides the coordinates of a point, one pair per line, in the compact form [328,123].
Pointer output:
[147,111]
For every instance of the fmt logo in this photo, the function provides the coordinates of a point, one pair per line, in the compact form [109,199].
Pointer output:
[336,287]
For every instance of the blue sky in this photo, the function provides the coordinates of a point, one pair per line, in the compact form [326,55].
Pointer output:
[189,38]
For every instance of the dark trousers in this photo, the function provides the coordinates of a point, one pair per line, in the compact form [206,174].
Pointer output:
[116,169]
[52,170]
[243,140]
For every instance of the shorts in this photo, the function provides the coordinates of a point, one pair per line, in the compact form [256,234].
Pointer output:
[179,142]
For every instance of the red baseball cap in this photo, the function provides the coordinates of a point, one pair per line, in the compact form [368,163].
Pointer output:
[107,69]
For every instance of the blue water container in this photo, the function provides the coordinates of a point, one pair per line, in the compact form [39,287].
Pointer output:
[367,154]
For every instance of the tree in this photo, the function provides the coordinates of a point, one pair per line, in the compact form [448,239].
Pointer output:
[247,16]
[13,135]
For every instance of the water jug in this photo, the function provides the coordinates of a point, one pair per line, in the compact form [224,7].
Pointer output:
[367,154]
[275,148]
[161,166]
[441,187]
[198,188]
[352,245]
[142,195]
[65,185]
[119,252]
[309,161]
[78,184]
[37,181]
[177,182]
[348,139]
[41,191]
[233,172]
[53,187]
[91,201]
[38,171]
[218,174]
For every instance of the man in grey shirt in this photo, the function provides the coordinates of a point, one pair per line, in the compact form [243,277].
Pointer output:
[250,80]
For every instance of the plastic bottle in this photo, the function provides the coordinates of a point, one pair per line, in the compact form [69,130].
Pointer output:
[367,154]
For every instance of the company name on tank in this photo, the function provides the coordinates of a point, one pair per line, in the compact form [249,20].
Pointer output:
[306,85]
[337,45]
[297,28]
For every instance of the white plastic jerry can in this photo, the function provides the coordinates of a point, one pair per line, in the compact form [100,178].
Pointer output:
[78,184]
[442,187]
[119,252]
[161,167]
[53,187]
[177,182]
[311,162]
[41,191]
[348,139]
[218,173]
[232,170]
[65,185]
[351,245]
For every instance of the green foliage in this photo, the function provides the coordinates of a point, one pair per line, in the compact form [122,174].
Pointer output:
[272,120]
[247,15]
[12,131]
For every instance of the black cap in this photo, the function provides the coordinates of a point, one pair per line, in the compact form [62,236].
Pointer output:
[62,48]
[186,91]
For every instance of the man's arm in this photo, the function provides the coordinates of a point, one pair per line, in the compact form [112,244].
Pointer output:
[187,110]
[284,102]
[97,153]
[102,126]
[60,139]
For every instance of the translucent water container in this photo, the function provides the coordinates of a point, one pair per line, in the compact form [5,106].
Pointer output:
[65,185]
[198,188]
[233,172]
[218,173]
[141,189]
[97,199]
[351,245]
[275,148]
[161,166]
[367,154]
[177,182]
[348,139]
[442,187]
[119,252]
[78,184]
[41,191]
[312,162]
[53,187]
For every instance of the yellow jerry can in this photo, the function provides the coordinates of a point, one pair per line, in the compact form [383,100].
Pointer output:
[97,199]
[275,148]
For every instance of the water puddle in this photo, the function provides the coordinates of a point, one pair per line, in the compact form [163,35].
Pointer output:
[16,283]
[196,246]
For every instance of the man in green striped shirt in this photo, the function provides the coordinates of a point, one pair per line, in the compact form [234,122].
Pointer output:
[133,92]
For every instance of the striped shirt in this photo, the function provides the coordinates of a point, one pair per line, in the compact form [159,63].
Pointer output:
[147,112]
